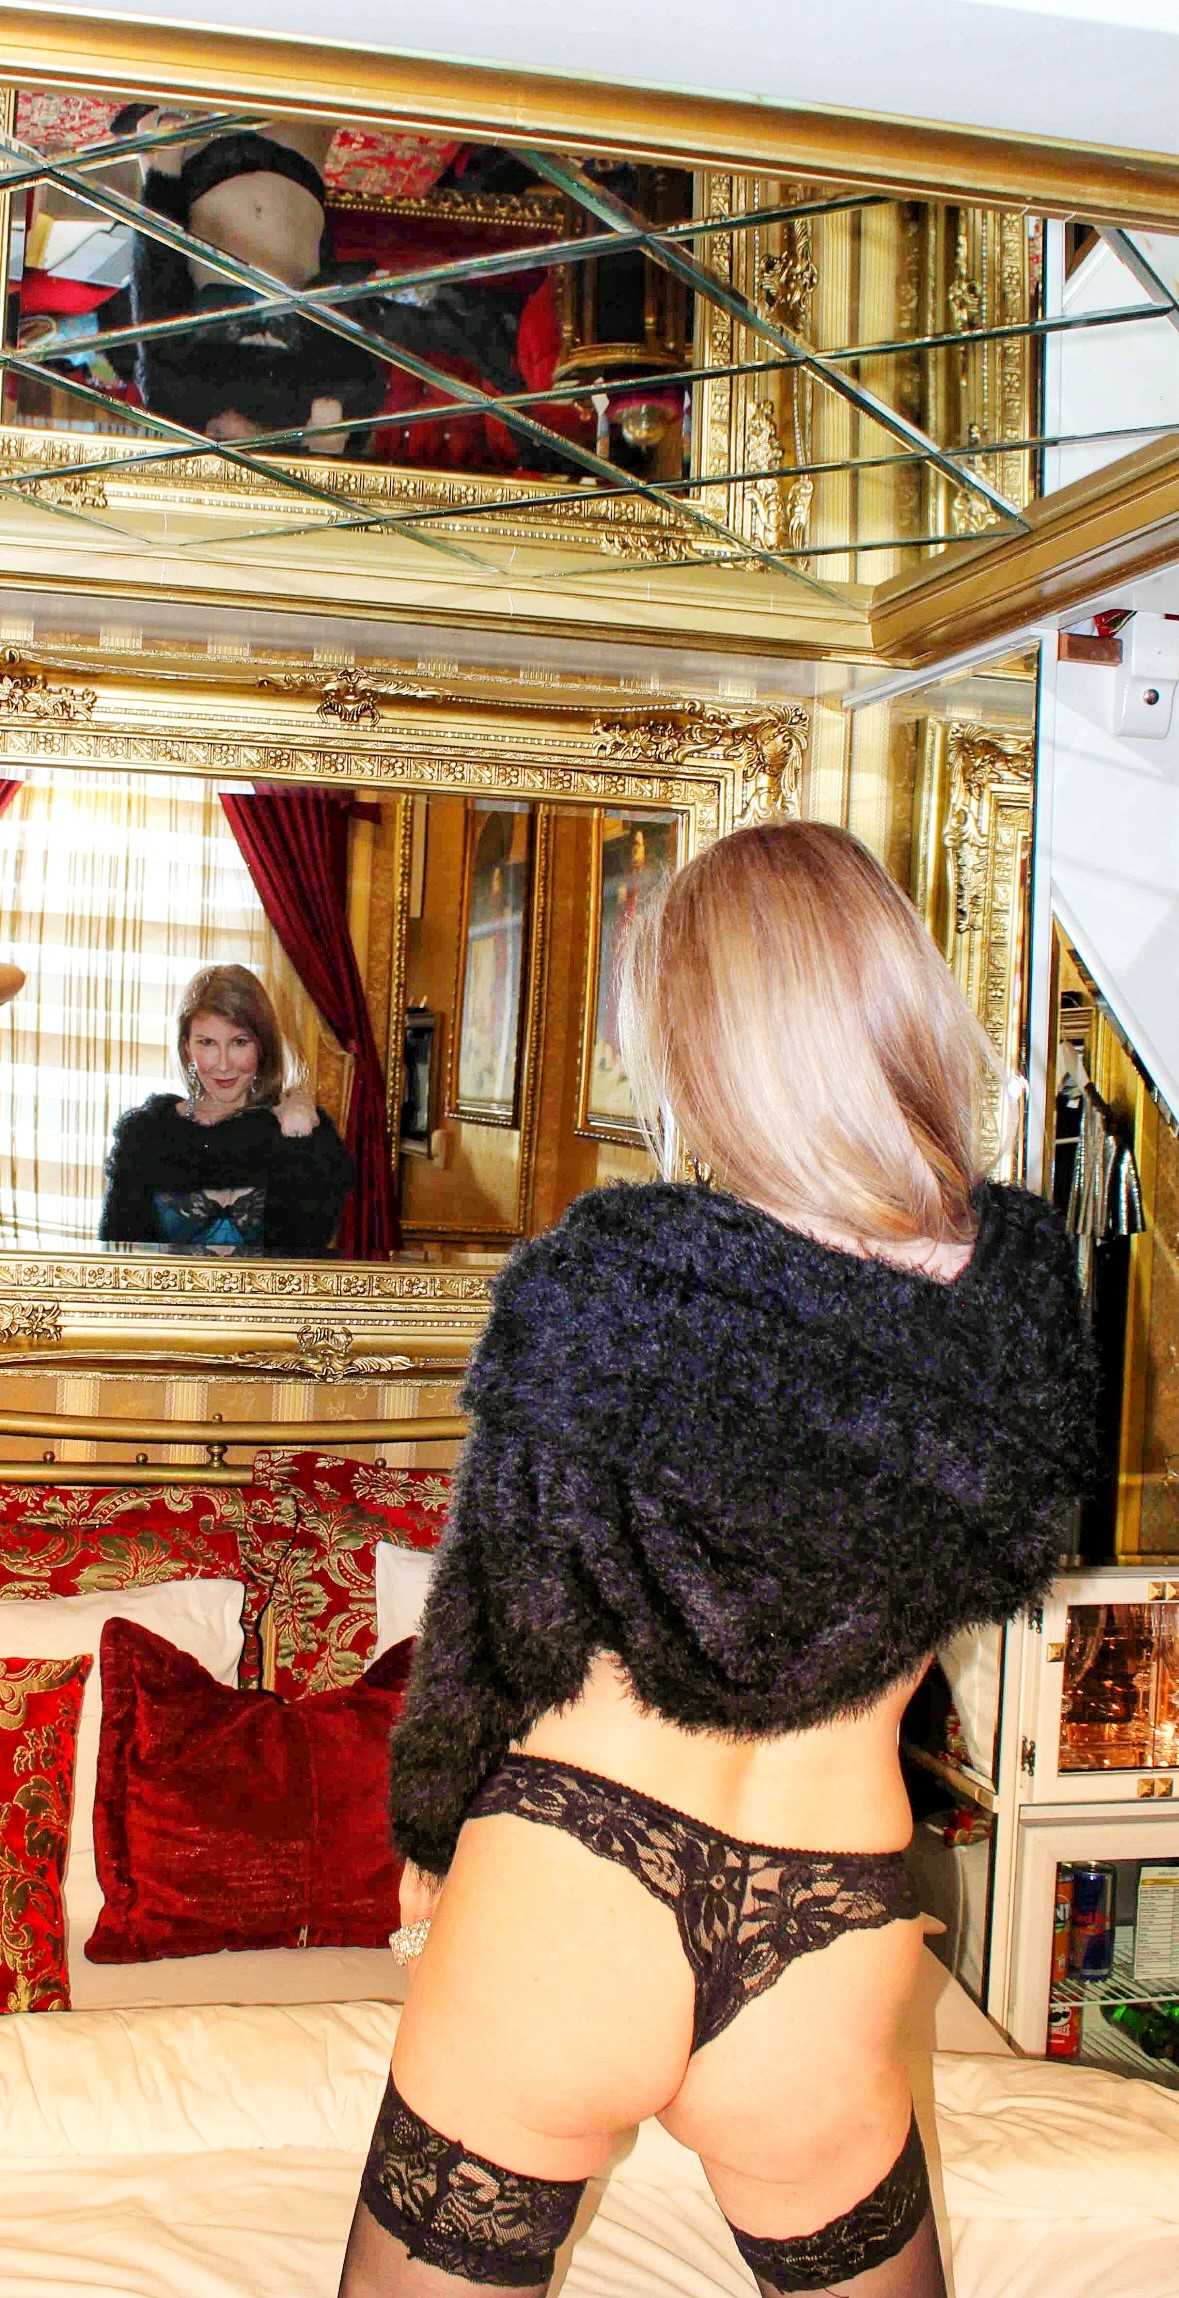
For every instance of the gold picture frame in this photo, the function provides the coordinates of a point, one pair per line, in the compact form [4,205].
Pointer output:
[645,850]
[491,977]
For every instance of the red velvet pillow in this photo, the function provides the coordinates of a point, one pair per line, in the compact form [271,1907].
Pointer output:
[40,1703]
[235,1819]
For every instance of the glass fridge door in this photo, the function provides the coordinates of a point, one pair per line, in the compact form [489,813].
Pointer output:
[1103,1718]
[1094,1971]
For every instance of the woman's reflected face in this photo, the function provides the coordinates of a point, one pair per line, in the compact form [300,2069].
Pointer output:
[225,1058]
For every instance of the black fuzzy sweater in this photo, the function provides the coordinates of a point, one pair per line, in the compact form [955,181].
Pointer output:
[306,1175]
[768,1475]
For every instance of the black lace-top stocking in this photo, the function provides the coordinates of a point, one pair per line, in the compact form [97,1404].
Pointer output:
[744,1910]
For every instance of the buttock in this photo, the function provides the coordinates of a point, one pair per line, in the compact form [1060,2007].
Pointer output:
[556,2006]
[744,1911]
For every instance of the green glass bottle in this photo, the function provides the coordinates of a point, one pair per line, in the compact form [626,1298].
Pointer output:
[1153,2026]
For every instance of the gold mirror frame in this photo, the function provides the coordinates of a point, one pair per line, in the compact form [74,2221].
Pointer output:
[714,769]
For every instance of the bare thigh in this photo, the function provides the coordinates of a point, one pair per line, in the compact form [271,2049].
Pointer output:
[552,2007]
[800,2107]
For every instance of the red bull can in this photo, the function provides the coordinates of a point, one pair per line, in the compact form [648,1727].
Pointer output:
[1091,1938]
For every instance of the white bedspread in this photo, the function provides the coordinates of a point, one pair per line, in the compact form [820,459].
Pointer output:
[215,2153]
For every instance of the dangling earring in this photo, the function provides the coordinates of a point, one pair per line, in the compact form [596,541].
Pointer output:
[194,1086]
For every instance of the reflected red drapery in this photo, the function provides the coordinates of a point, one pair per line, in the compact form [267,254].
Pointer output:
[295,846]
[8,792]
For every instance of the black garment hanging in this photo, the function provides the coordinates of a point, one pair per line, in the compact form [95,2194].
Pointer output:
[1096,1185]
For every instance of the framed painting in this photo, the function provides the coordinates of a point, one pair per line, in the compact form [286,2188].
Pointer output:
[630,854]
[493,939]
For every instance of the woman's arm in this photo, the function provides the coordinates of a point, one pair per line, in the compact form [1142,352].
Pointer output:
[505,1637]
[460,1716]
[308,1178]
[128,1211]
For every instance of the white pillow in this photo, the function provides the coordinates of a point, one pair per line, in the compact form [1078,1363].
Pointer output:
[202,1617]
[972,1663]
[403,1584]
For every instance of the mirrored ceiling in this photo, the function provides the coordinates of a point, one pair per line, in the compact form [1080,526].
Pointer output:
[225,326]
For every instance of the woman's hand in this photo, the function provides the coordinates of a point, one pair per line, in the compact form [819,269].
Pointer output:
[297,1113]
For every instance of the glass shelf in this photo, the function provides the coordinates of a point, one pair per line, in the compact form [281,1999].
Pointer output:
[1121,1985]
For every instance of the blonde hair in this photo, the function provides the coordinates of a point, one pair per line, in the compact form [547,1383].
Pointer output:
[784,1007]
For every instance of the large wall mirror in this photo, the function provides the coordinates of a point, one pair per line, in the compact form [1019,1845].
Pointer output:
[436,896]
[269,324]
[471,387]
[487,934]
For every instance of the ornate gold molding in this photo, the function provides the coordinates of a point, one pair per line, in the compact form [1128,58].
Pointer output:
[780,508]
[41,463]
[539,211]
[316,1320]
[352,696]
[325,1352]
[698,759]
[767,747]
[26,693]
[37,1325]
[974,818]
[981,766]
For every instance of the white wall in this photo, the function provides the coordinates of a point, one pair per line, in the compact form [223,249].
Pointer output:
[1099,377]
[1115,857]
[1090,71]
[1108,829]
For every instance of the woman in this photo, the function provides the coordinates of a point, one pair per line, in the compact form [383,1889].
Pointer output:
[241,1164]
[740,1456]
[259,196]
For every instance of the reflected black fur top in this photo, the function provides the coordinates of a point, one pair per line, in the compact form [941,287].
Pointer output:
[768,1475]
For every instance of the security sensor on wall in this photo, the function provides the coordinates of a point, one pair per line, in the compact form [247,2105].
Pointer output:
[1149,673]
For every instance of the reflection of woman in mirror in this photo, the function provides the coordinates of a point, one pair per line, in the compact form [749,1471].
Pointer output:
[739,1458]
[260,196]
[242,1164]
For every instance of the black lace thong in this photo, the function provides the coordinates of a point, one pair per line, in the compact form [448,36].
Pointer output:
[744,1910]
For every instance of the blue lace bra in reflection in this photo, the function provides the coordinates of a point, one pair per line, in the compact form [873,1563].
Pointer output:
[211,1220]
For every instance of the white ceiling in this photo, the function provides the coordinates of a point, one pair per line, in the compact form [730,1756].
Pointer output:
[1089,71]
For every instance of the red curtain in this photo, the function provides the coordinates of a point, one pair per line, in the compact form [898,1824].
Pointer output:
[295,845]
[8,792]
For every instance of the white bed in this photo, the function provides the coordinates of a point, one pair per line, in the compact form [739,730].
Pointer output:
[215,2153]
